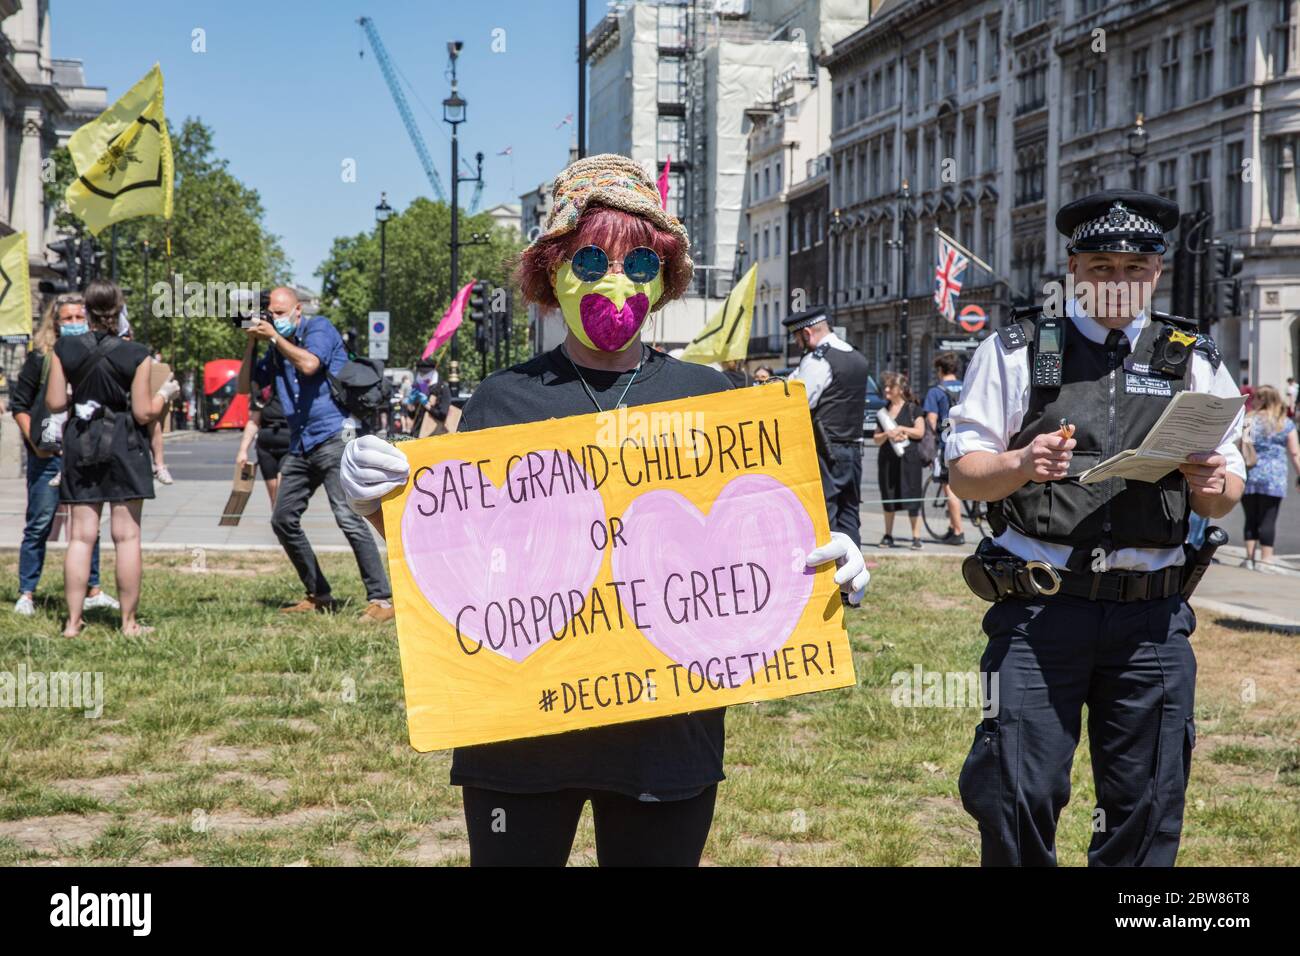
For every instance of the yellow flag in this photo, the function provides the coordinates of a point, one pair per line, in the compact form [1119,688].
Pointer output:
[725,337]
[124,159]
[15,289]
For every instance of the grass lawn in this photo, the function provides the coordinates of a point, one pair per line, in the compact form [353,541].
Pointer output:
[233,735]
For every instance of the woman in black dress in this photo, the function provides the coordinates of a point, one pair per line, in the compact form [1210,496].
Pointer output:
[105,445]
[899,477]
[267,435]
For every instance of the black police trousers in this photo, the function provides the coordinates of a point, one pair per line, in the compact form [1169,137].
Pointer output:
[1132,665]
[842,486]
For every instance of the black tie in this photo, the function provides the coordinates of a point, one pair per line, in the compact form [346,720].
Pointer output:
[1117,341]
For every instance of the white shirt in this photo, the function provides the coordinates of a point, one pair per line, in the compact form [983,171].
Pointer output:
[993,405]
[815,372]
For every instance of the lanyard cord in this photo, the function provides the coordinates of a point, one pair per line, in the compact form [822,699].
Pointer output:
[586,388]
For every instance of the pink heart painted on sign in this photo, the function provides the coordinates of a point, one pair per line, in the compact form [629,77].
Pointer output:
[478,546]
[755,519]
[609,328]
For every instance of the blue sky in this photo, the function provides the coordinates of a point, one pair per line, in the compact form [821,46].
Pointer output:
[289,100]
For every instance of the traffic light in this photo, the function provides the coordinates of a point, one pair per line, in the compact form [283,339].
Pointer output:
[1228,260]
[1185,296]
[1227,297]
[66,268]
[88,259]
[478,301]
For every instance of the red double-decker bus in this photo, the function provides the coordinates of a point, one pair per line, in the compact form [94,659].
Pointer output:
[222,408]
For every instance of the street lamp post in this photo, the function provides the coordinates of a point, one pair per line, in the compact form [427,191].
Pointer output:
[382,214]
[453,114]
[1137,148]
[904,208]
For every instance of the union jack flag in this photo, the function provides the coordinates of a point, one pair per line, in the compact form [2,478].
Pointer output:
[947,278]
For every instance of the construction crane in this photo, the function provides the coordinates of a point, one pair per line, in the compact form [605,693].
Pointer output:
[390,77]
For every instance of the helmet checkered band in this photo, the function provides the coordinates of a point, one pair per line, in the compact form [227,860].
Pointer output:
[1119,222]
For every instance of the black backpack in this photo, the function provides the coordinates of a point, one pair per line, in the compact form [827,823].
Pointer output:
[360,388]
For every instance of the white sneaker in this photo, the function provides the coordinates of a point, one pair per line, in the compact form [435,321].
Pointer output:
[102,599]
[24,606]
[164,476]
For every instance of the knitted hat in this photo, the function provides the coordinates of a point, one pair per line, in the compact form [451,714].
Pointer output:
[619,183]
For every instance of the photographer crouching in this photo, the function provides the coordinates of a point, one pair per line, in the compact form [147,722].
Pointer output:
[301,354]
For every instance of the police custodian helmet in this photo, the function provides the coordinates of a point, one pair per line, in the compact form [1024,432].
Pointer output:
[1117,220]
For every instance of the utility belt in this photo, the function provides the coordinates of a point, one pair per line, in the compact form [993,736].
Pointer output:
[995,574]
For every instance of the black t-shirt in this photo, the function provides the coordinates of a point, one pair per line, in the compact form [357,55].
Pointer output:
[666,758]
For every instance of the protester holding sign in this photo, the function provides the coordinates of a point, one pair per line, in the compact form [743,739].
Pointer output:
[609,256]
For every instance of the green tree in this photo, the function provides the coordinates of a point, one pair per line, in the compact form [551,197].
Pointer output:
[418,282]
[217,236]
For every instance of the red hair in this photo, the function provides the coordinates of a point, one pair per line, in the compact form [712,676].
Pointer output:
[607,228]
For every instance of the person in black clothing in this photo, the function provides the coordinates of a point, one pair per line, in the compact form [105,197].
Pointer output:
[43,436]
[652,783]
[899,477]
[267,433]
[105,446]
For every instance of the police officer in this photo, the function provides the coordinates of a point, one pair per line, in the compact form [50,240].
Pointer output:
[1087,579]
[835,375]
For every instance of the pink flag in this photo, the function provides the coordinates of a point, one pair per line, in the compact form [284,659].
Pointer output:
[450,321]
[663,181]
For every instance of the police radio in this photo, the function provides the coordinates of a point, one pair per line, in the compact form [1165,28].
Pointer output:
[1049,349]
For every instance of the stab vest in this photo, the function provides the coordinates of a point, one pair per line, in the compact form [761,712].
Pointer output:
[843,402]
[1113,400]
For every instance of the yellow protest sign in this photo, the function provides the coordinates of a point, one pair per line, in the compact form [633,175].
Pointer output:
[612,567]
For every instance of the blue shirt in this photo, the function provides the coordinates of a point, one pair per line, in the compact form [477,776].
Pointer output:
[313,416]
[942,397]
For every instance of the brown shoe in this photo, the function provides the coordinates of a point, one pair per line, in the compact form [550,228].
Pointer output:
[310,603]
[377,612]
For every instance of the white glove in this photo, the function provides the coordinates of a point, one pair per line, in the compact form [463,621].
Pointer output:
[371,469]
[169,389]
[852,576]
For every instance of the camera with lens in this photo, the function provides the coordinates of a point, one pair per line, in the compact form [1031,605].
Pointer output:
[245,310]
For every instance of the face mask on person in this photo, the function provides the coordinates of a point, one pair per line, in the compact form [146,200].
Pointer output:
[607,312]
[285,325]
[74,328]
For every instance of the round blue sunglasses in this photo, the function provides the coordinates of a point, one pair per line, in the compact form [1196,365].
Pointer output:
[640,265]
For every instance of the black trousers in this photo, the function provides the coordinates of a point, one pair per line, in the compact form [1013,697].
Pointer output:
[300,476]
[1261,518]
[537,829]
[842,486]
[1132,665]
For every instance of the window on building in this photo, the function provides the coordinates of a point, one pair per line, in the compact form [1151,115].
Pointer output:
[756,194]
[931,78]
[756,250]
[931,164]
[838,119]
[819,233]
[1089,98]
[888,175]
[863,103]
[891,77]
[850,106]
[991,140]
[1279,39]
[1233,192]
[1031,11]
[950,72]
[1168,179]
[767,237]
[767,180]
[1031,82]
[1089,7]
[972,60]
[995,51]
[1169,73]
[949,146]
[1137,177]
[910,154]
[671,132]
[1030,173]
[876,91]
[1203,61]
[1281,162]
[1138,80]
[875,169]
[671,79]
[807,231]
[913,86]
[777,248]
[1201,194]
[988,241]
[780,182]
[1237,46]
[846,194]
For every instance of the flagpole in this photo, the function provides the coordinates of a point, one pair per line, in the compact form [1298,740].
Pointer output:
[974,258]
